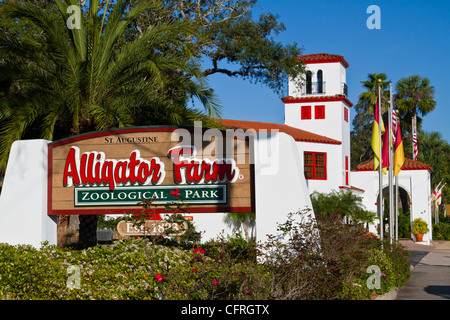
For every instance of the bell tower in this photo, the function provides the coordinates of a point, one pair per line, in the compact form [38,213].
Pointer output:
[320,105]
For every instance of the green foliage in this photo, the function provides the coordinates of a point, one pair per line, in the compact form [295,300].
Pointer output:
[104,222]
[419,226]
[371,94]
[441,230]
[404,225]
[329,260]
[414,95]
[341,204]
[232,40]
[314,260]
[110,272]
[62,81]
[435,151]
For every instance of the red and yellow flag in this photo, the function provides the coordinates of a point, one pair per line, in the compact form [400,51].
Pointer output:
[377,126]
[385,152]
[399,155]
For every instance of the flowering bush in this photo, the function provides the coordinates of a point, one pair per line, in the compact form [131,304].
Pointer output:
[112,272]
[315,260]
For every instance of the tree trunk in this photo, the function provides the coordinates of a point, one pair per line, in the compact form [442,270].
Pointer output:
[88,229]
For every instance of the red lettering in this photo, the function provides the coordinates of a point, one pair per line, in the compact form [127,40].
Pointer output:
[96,170]
[107,176]
[132,165]
[98,176]
[143,172]
[70,168]
[88,163]
[155,171]
[120,172]
[195,171]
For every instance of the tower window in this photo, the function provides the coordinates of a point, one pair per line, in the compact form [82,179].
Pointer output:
[319,112]
[306,112]
[319,81]
[308,82]
[315,165]
[345,114]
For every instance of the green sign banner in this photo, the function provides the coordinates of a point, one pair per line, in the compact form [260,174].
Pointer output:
[125,196]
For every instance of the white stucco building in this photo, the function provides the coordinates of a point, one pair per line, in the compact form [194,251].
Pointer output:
[309,152]
[317,116]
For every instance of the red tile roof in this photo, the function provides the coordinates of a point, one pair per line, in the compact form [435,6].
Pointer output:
[297,134]
[408,165]
[337,97]
[323,58]
[352,188]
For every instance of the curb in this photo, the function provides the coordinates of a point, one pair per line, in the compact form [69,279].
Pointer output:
[391,295]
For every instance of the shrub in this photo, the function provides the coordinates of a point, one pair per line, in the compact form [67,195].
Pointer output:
[419,226]
[441,231]
[120,271]
[329,259]
[326,259]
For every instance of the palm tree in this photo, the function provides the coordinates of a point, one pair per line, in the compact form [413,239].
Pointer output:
[371,94]
[64,81]
[361,134]
[414,95]
[242,219]
[341,204]
[69,81]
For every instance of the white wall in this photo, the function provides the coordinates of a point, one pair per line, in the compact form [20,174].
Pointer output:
[332,126]
[334,74]
[280,186]
[335,172]
[415,182]
[23,201]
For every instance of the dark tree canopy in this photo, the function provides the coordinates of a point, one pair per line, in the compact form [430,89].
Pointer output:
[232,42]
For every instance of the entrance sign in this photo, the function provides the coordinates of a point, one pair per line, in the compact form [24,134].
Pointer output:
[102,196]
[110,172]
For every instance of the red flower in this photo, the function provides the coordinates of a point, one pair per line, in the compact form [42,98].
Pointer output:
[196,250]
[194,270]
[175,193]
[214,283]
[160,277]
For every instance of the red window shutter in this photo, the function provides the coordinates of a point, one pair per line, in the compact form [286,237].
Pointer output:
[345,114]
[306,112]
[319,112]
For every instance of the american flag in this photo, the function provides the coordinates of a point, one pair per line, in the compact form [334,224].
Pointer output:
[415,149]
[394,126]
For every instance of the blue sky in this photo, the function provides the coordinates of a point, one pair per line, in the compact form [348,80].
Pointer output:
[414,39]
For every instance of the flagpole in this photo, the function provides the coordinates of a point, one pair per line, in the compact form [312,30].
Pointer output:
[380,168]
[412,125]
[396,208]
[391,169]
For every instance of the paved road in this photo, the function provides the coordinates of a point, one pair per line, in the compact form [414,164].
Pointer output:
[430,278]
